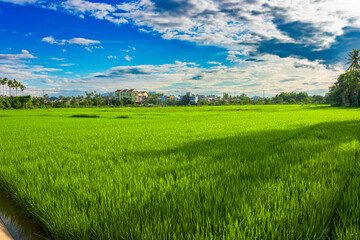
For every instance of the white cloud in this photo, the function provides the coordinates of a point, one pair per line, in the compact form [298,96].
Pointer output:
[76,41]
[15,66]
[128,58]
[233,56]
[276,75]
[90,48]
[233,24]
[85,6]
[214,63]
[82,41]
[52,40]
[47,81]
[67,64]
[57,59]
[95,9]
[23,55]
[239,26]
[129,49]
[28,34]
[111,57]
[143,30]
[24,72]
[21,2]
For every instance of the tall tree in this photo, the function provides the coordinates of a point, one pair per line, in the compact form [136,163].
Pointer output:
[354,59]
[10,84]
[22,88]
[185,100]
[342,85]
[3,83]
[16,85]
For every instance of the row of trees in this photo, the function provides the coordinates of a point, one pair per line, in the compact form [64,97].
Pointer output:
[11,84]
[345,90]
[94,99]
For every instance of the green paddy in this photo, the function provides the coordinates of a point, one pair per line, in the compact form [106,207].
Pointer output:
[232,172]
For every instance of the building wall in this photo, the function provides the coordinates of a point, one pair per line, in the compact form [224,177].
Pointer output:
[134,95]
[193,99]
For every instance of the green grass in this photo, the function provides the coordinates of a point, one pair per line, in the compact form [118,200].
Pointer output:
[236,172]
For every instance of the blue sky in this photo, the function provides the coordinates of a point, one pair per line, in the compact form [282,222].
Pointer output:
[173,46]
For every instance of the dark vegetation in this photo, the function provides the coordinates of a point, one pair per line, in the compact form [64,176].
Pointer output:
[85,116]
[123,116]
[345,91]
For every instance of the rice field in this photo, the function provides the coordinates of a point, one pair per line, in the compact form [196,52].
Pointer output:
[230,172]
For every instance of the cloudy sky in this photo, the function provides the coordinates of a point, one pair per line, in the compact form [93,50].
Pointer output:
[173,46]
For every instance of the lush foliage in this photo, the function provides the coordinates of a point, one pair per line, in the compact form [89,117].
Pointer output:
[234,172]
[94,99]
[20,102]
[345,89]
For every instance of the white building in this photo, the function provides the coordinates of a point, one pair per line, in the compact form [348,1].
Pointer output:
[193,98]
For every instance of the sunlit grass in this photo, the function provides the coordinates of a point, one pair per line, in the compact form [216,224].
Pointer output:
[241,172]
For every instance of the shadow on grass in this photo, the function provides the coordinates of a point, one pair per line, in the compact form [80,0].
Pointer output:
[123,116]
[236,110]
[273,184]
[84,116]
[303,172]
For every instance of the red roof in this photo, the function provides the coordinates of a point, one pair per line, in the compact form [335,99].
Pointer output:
[126,90]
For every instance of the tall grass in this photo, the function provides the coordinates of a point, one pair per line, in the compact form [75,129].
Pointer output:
[264,172]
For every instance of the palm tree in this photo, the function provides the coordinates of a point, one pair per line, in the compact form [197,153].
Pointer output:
[22,88]
[354,59]
[4,82]
[341,83]
[16,85]
[10,84]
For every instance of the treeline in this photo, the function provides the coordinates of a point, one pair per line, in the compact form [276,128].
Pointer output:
[345,91]
[96,100]
[297,98]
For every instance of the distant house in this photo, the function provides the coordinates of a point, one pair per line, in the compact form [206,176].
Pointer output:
[67,101]
[193,98]
[127,93]
[143,96]
[211,98]
[202,97]
[256,98]
[53,99]
[163,98]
